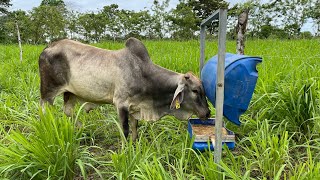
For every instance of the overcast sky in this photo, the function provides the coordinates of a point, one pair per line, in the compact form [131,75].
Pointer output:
[94,5]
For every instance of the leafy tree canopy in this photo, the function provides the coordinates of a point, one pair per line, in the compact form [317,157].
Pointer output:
[53,3]
[4,4]
[204,8]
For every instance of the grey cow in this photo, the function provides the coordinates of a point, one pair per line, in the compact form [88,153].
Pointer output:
[126,78]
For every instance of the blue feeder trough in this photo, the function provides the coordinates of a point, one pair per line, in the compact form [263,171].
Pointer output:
[203,133]
[240,80]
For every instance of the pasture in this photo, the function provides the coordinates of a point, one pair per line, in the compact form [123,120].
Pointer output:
[278,139]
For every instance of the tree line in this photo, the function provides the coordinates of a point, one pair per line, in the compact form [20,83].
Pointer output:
[53,20]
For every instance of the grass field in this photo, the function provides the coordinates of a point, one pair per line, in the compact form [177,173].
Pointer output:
[278,138]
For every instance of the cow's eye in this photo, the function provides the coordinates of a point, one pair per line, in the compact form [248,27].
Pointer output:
[195,91]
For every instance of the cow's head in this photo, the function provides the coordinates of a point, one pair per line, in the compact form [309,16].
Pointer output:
[190,96]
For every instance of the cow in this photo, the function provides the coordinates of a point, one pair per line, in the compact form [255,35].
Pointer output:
[127,78]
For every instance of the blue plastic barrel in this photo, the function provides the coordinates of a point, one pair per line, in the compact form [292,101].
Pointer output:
[240,80]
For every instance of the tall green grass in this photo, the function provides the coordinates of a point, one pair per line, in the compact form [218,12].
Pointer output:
[44,148]
[278,138]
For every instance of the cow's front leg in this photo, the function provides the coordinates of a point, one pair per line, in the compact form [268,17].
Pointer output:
[134,128]
[123,117]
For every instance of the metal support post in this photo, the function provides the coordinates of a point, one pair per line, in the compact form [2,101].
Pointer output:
[202,46]
[222,15]
[220,84]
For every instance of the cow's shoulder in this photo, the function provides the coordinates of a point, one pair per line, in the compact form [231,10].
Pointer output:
[137,48]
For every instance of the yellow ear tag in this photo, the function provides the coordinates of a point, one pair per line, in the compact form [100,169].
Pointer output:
[177,104]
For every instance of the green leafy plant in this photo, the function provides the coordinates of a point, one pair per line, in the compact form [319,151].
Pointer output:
[48,149]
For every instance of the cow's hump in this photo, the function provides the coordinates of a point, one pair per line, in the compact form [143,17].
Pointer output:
[137,48]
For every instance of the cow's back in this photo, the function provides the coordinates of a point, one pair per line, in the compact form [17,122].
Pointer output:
[86,71]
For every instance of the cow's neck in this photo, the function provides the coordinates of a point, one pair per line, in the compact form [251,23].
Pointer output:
[165,83]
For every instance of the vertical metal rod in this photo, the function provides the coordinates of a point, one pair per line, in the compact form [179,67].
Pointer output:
[220,84]
[202,46]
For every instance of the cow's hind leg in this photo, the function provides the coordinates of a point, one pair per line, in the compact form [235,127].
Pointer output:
[124,117]
[47,97]
[134,128]
[44,101]
[69,102]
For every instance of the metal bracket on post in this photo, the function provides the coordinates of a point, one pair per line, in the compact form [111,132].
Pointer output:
[220,14]
[202,46]
[203,25]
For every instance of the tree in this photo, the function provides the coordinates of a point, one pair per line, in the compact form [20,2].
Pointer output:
[92,26]
[187,16]
[111,15]
[291,13]
[58,4]
[159,20]
[4,4]
[23,20]
[131,23]
[72,23]
[184,21]
[276,19]
[259,18]
[53,3]
[3,33]
[48,24]
[204,8]
[314,13]
[139,23]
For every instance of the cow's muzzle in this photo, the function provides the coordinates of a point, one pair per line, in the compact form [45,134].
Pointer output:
[205,115]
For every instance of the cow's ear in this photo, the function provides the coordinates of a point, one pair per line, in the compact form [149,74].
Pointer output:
[178,97]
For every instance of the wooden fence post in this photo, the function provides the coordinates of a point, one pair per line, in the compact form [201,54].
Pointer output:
[19,39]
[241,30]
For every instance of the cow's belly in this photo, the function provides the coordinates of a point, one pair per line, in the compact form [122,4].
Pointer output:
[90,92]
[92,88]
